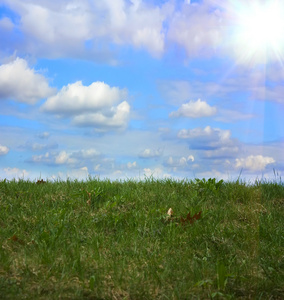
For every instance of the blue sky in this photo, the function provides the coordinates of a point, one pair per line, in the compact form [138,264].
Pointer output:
[131,88]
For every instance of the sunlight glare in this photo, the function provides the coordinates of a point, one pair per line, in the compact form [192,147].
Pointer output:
[260,32]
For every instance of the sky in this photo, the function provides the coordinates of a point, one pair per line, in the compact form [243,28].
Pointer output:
[132,89]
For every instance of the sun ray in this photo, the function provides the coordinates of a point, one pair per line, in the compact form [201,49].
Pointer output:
[258,32]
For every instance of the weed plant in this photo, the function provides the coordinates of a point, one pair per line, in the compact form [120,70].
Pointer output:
[114,240]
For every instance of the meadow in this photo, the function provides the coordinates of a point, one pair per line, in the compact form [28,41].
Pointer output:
[98,239]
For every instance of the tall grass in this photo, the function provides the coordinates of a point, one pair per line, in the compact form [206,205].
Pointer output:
[114,240]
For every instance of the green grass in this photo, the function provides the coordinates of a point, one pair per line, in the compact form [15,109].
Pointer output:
[114,240]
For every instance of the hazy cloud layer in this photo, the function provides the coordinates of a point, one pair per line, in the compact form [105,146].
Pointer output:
[20,83]
[65,26]
[70,28]
[6,24]
[43,135]
[75,158]
[36,147]
[207,138]
[198,28]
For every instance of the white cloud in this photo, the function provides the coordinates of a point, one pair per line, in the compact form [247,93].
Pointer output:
[41,158]
[3,150]
[177,163]
[150,153]
[207,138]
[195,109]
[60,158]
[60,27]
[79,174]
[131,165]
[254,162]
[63,27]
[63,158]
[64,22]
[118,118]
[11,173]
[198,28]
[96,105]
[86,154]
[223,152]
[78,158]
[156,172]
[138,23]
[20,83]
[75,98]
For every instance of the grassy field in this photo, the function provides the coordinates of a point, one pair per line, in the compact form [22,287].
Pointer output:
[114,240]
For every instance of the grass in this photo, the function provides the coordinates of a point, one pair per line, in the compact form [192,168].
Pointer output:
[114,240]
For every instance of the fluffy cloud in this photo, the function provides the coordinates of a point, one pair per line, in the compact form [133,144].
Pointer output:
[137,23]
[150,153]
[68,158]
[79,174]
[91,28]
[45,158]
[20,83]
[117,119]
[61,27]
[96,105]
[131,165]
[3,150]
[195,109]
[207,138]
[254,162]
[64,158]
[64,27]
[77,98]
[178,163]
[61,158]
[15,173]
[156,172]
